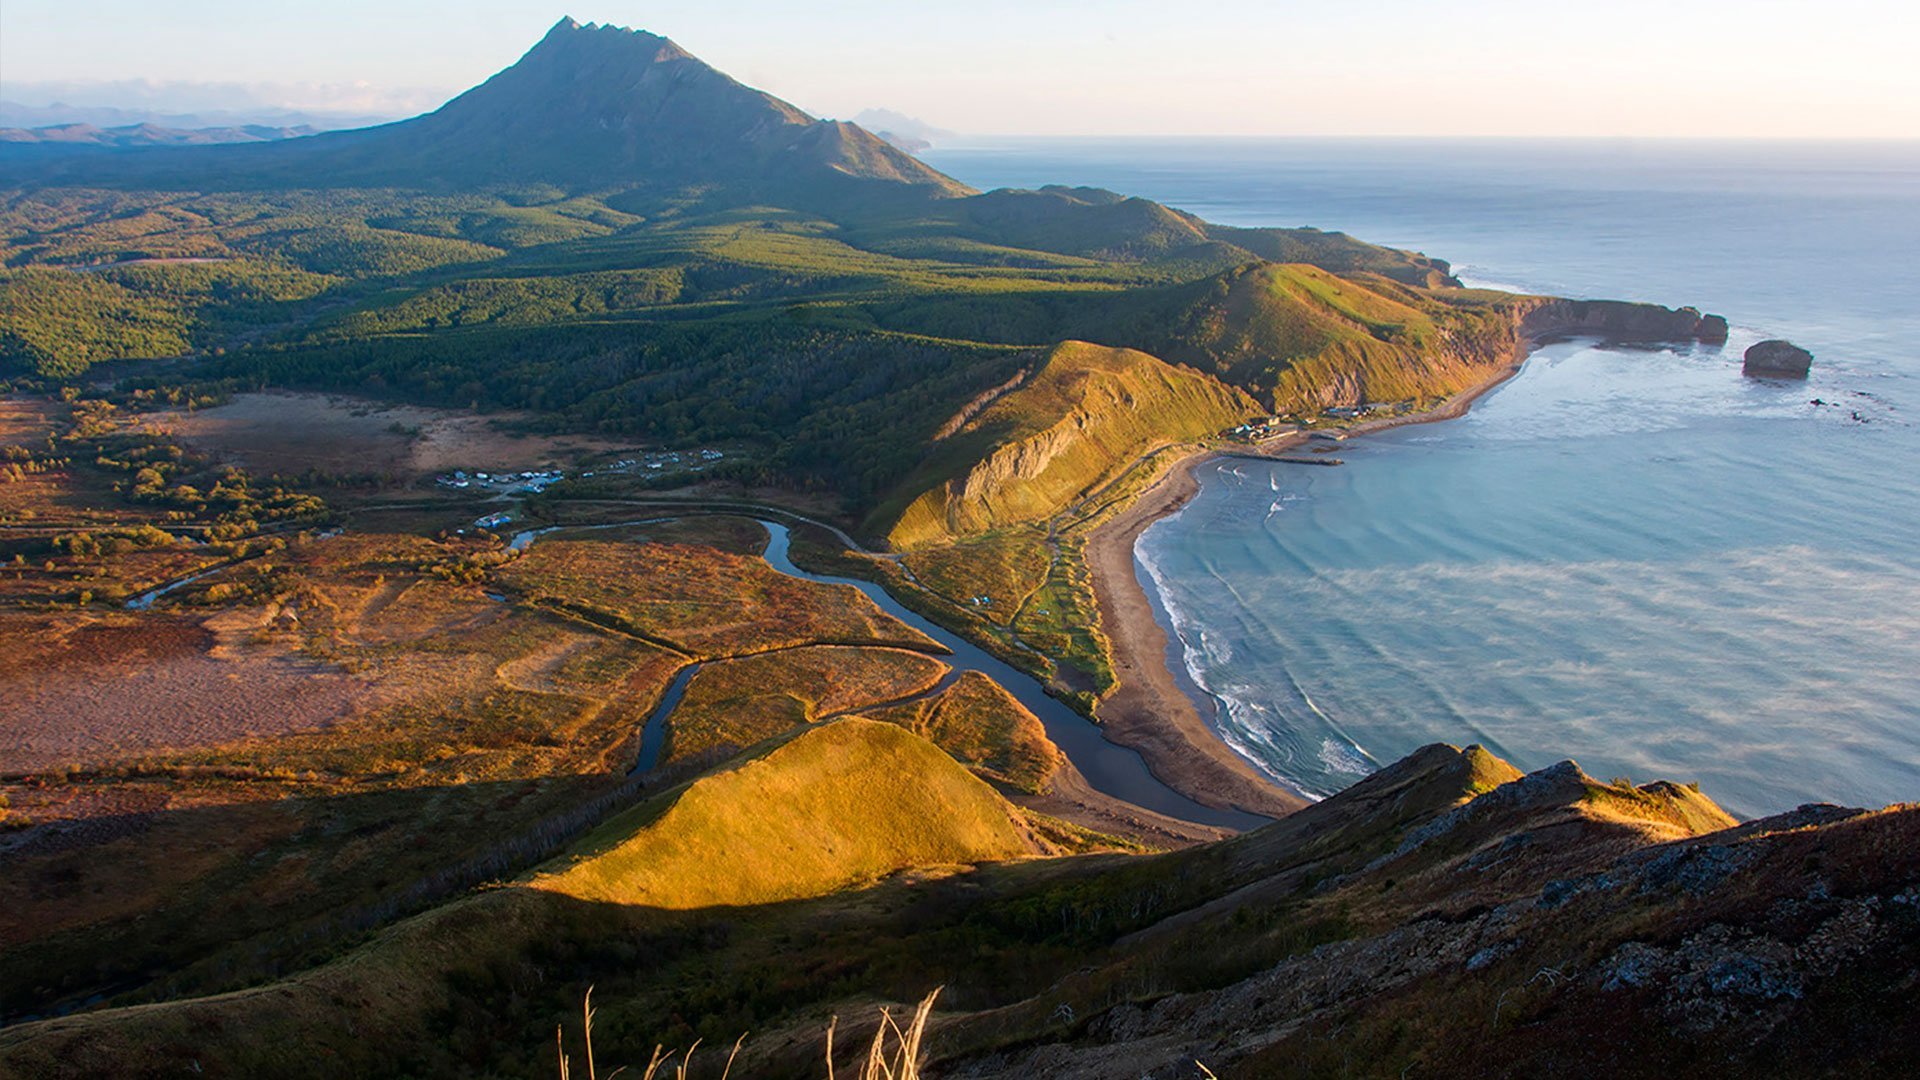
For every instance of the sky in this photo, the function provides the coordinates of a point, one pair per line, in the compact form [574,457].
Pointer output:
[1737,68]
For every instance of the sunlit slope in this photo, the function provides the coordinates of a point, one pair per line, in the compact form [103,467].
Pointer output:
[1301,338]
[839,804]
[1084,415]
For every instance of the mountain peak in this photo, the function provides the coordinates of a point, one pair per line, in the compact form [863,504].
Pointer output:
[599,107]
[570,36]
[603,104]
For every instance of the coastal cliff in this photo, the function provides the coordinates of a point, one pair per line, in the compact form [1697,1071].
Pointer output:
[1620,320]
[1083,416]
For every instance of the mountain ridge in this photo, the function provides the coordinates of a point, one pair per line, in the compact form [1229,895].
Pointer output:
[1402,922]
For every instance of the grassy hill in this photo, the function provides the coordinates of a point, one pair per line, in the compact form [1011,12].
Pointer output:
[1301,338]
[839,804]
[1082,416]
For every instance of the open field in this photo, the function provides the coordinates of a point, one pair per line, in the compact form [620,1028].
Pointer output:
[94,690]
[323,732]
[293,433]
[45,485]
[737,703]
[700,602]
[995,573]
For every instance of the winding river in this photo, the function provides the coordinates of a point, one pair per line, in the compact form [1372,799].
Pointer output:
[1109,768]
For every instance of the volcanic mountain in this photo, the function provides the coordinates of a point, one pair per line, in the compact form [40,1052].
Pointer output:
[588,108]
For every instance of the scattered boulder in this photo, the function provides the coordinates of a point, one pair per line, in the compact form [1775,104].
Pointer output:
[1777,359]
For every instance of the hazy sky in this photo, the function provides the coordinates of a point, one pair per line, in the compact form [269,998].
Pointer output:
[1680,67]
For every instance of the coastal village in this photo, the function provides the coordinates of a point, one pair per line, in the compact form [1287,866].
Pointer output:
[534,481]
[662,465]
[1337,416]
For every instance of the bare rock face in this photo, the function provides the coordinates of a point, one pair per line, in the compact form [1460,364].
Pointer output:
[1777,359]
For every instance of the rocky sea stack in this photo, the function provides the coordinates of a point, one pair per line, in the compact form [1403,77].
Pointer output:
[1777,359]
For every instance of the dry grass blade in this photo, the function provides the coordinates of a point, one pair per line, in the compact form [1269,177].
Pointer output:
[586,1009]
[895,1056]
[876,1064]
[737,1044]
[832,1023]
[916,1033]
[905,1060]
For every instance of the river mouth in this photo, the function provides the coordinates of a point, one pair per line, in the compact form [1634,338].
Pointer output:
[1109,768]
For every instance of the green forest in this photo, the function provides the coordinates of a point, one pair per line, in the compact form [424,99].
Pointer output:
[839,337]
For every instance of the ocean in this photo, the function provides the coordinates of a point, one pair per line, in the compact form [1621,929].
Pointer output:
[1635,558]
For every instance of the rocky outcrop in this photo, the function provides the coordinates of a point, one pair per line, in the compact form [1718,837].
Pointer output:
[1622,321]
[1777,359]
[1552,925]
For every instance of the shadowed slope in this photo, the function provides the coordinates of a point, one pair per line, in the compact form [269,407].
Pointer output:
[1399,928]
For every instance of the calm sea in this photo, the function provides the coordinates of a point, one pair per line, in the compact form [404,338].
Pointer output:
[1634,558]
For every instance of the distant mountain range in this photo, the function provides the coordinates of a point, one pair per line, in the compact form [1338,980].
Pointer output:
[57,113]
[909,133]
[68,138]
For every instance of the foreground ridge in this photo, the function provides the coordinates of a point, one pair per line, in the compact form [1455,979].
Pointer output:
[1448,914]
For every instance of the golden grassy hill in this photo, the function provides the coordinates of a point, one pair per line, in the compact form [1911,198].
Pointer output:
[1077,422]
[840,803]
[1300,338]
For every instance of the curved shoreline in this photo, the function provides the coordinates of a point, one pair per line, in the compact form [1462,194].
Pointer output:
[1150,710]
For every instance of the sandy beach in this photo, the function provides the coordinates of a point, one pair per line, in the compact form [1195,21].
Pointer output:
[1149,710]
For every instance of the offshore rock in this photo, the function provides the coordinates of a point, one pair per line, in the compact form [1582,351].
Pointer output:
[1777,359]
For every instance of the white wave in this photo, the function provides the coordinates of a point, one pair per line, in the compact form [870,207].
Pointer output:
[1341,758]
